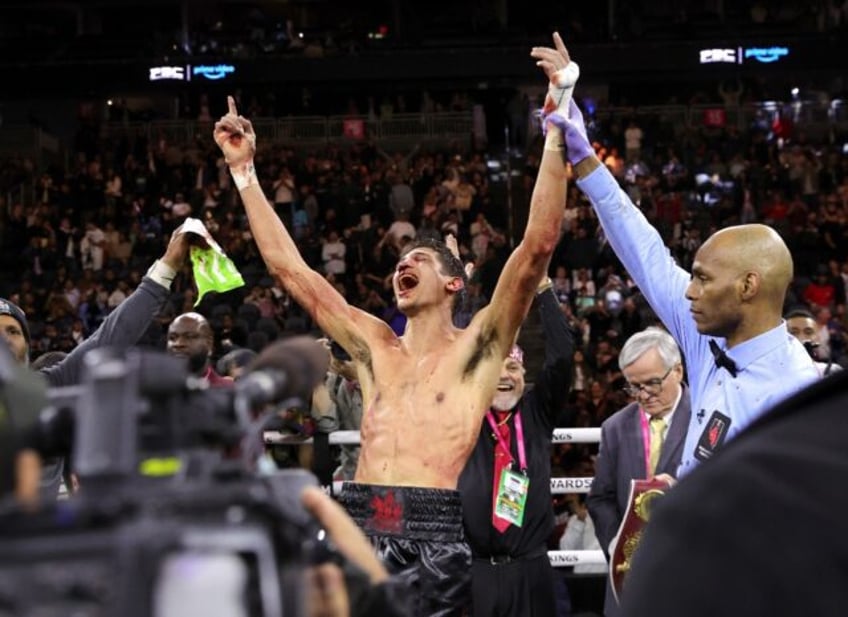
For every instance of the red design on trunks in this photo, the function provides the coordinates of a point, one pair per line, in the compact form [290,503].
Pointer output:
[388,513]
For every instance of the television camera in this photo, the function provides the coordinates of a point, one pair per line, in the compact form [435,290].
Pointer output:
[171,519]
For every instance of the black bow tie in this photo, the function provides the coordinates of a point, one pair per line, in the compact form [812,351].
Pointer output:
[722,359]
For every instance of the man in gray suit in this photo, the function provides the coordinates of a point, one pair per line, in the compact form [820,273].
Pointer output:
[644,439]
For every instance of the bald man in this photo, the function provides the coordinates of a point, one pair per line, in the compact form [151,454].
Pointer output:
[190,336]
[726,316]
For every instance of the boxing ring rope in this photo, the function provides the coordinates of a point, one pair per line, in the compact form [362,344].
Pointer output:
[559,486]
[560,435]
[562,559]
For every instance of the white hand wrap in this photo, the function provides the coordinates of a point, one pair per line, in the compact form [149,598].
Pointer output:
[562,86]
[244,175]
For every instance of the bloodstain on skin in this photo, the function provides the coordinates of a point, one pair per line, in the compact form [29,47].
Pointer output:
[440,397]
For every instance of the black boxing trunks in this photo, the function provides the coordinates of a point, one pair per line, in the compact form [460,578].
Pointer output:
[419,536]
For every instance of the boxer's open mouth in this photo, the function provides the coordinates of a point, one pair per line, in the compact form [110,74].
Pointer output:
[407,282]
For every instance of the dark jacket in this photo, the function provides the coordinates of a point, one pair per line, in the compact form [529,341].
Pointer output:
[123,327]
[622,458]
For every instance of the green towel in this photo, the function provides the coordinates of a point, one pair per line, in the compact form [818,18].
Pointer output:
[213,271]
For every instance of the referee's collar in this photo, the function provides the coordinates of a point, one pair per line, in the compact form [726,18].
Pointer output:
[748,352]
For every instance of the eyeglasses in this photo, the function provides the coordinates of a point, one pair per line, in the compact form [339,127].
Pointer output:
[651,387]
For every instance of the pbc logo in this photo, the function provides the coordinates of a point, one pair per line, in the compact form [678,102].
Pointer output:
[159,73]
[720,56]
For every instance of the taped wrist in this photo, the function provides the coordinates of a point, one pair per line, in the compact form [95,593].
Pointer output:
[561,86]
[554,139]
[162,273]
[244,175]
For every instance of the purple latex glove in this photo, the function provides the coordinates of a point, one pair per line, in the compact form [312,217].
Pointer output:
[577,143]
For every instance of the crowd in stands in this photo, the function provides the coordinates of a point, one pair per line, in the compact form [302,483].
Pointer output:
[331,28]
[84,244]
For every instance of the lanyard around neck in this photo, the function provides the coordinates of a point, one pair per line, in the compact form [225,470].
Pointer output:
[519,436]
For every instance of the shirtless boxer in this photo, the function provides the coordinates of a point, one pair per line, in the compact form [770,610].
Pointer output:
[426,392]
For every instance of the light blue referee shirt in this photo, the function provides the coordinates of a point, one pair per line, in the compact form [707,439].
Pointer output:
[771,366]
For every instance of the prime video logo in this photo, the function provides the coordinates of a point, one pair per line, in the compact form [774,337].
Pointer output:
[214,71]
[766,55]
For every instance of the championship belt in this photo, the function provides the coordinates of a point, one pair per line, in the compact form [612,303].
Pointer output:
[642,494]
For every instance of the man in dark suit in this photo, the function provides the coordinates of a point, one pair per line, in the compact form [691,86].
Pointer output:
[644,439]
[760,530]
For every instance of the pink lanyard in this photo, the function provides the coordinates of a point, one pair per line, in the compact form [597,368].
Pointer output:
[646,440]
[519,436]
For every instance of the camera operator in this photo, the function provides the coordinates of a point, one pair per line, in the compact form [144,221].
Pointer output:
[344,579]
[123,327]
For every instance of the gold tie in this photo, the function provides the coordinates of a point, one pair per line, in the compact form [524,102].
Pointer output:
[657,435]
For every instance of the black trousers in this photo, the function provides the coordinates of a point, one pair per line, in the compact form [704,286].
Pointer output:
[520,588]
